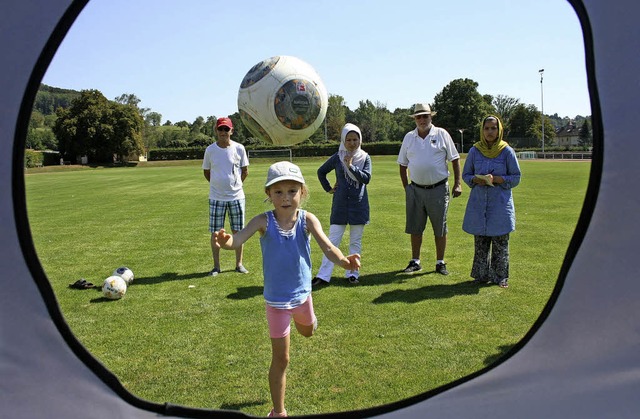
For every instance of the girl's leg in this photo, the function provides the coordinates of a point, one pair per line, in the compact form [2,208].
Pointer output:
[480,267]
[336,232]
[355,245]
[305,319]
[278,372]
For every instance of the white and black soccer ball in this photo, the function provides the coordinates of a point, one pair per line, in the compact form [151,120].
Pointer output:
[282,100]
[125,273]
[114,287]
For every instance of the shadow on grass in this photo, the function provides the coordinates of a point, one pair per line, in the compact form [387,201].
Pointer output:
[167,276]
[384,278]
[244,293]
[429,292]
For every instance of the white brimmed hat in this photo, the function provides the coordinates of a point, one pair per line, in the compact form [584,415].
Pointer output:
[422,109]
[283,170]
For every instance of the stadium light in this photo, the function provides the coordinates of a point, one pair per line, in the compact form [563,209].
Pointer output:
[541,71]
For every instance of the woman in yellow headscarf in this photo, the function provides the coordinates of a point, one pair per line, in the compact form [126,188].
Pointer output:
[491,170]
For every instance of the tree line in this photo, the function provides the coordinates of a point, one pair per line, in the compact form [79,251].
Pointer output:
[77,123]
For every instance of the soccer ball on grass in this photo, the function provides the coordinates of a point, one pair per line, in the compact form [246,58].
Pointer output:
[114,287]
[282,100]
[125,273]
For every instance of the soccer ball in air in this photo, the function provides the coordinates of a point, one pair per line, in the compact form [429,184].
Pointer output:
[282,100]
[114,287]
[125,273]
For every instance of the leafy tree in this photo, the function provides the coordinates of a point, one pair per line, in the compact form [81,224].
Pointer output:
[336,117]
[505,106]
[50,120]
[522,119]
[36,120]
[200,140]
[128,99]
[173,136]
[549,130]
[210,126]
[402,123]
[133,100]
[41,139]
[374,120]
[460,105]
[153,119]
[49,99]
[526,127]
[126,135]
[79,128]
[151,136]
[197,125]
[318,135]
[95,127]
[241,134]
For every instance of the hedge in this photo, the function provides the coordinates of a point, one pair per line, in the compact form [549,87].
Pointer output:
[310,150]
[33,159]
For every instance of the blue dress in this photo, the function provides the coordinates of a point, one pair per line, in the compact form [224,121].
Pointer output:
[490,210]
[350,203]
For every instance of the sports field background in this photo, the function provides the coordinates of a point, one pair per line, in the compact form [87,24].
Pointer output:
[182,337]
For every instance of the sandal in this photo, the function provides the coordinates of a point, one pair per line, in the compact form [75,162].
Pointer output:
[503,284]
[81,284]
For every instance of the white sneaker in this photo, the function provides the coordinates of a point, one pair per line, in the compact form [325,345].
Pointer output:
[241,269]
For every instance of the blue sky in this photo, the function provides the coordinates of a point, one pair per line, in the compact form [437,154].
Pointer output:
[186,58]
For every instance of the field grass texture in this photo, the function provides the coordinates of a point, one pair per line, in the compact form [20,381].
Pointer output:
[182,337]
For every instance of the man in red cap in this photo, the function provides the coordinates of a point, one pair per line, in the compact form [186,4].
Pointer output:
[225,168]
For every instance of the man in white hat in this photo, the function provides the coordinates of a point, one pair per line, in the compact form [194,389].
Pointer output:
[424,153]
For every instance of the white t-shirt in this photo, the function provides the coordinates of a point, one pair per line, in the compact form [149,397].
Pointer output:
[225,164]
[427,158]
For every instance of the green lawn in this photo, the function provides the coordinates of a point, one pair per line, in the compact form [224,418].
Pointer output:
[179,336]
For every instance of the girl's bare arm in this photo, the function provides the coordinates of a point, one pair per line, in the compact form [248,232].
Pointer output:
[228,241]
[334,254]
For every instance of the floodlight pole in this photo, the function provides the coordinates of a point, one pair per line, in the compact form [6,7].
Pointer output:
[541,71]
[461,131]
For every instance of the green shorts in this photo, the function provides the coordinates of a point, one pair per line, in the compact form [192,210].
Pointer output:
[423,204]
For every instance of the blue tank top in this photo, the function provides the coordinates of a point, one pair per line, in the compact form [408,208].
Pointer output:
[286,262]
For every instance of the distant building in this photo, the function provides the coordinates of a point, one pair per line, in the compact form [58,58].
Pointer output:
[568,135]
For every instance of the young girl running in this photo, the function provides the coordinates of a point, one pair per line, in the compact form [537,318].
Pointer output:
[286,264]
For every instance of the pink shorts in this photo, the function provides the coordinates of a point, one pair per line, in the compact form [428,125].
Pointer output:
[279,319]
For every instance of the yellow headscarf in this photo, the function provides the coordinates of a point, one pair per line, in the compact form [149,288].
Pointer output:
[498,146]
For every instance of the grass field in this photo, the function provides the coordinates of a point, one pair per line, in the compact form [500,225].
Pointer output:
[394,336]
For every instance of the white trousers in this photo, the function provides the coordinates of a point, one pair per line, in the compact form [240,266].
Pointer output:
[336,231]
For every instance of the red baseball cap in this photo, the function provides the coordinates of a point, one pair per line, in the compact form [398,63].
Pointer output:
[224,122]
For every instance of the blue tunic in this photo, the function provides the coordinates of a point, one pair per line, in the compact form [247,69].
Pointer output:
[286,263]
[350,204]
[490,210]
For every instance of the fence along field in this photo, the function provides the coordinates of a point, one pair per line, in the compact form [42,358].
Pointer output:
[207,346]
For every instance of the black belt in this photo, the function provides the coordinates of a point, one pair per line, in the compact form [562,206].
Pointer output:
[442,182]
